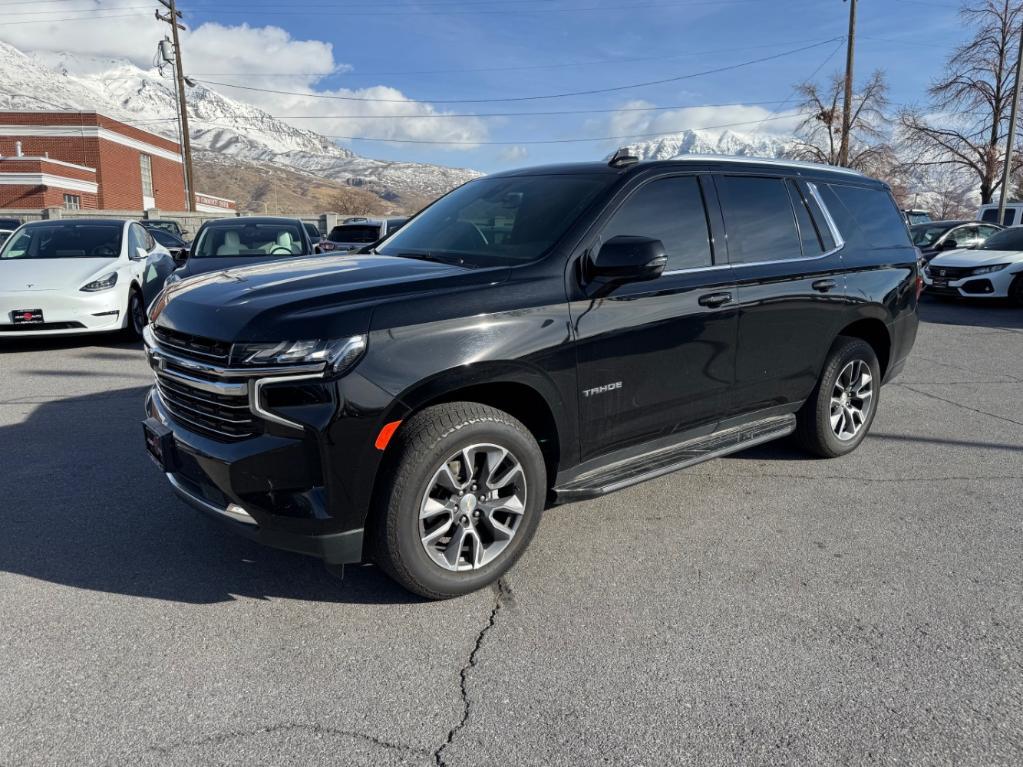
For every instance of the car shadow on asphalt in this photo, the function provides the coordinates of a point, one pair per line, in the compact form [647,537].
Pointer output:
[980,313]
[82,505]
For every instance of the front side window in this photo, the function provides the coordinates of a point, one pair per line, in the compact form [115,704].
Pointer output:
[65,240]
[926,235]
[250,239]
[498,221]
[72,202]
[759,219]
[670,210]
[146,163]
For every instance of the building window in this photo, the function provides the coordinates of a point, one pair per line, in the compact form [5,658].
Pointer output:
[72,202]
[147,175]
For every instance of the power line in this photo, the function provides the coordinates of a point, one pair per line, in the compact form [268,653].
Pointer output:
[90,17]
[590,92]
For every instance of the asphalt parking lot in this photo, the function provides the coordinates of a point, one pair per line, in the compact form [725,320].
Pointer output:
[762,608]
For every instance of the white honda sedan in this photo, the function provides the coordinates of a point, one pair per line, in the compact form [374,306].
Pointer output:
[993,270]
[79,276]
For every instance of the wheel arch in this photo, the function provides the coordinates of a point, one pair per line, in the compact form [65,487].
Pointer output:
[876,333]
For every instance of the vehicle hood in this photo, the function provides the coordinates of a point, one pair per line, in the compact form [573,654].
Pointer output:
[30,274]
[194,266]
[305,298]
[977,258]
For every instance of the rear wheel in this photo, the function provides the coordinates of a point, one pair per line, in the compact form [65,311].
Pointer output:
[462,500]
[838,415]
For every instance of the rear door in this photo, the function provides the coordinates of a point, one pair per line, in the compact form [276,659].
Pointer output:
[655,358]
[787,266]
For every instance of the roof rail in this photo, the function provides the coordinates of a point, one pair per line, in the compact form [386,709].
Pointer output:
[623,157]
[773,161]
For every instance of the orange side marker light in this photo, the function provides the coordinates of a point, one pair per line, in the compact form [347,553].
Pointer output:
[385,435]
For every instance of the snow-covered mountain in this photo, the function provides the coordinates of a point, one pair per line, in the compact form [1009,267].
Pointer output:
[712,142]
[221,127]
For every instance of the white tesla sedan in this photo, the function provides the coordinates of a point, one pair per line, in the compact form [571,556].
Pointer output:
[993,270]
[79,276]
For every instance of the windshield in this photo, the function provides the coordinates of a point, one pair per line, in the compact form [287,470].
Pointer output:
[928,234]
[498,221]
[65,240]
[361,233]
[917,217]
[250,239]
[312,231]
[1007,239]
[167,226]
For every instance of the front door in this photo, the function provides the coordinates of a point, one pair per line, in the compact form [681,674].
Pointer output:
[656,358]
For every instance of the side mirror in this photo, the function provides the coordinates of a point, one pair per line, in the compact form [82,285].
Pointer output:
[949,244]
[625,259]
[141,254]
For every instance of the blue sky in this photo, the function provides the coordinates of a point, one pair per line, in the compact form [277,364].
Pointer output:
[432,50]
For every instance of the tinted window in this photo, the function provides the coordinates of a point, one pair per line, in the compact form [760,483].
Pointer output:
[361,233]
[499,220]
[924,235]
[1007,239]
[807,231]
[876,215]
[758,219]
[990,215]
[312,231]
[165,238]
[65,240]
[670,210]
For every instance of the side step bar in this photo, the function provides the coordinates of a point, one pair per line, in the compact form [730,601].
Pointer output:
[616,476]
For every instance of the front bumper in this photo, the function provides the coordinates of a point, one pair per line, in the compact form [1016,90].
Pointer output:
[989,285]
[63,313]
[269,487]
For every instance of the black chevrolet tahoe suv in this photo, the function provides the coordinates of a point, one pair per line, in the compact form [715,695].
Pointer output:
[534,337]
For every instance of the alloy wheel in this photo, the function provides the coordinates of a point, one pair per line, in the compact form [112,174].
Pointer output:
[136,314]
[851,399]
[472,507]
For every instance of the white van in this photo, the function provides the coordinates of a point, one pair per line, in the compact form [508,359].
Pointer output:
[1013,213]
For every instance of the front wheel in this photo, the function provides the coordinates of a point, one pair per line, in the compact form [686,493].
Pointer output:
[838,415]
[462,500]
[136,315]
[1016,291]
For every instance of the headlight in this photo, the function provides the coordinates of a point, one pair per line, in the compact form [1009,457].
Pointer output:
[105,282]
[338,355]
[988,269]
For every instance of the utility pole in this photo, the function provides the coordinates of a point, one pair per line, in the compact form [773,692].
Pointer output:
[186,141]
[1007,171]
[843,152]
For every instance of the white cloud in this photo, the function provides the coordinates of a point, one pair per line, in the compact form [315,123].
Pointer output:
[256,57]
[630,122]
[513,154]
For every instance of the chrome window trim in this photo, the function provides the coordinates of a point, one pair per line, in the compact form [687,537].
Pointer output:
[837,235]
[256,398]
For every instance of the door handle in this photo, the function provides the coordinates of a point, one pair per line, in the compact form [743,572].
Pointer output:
[823,286]
[715,299]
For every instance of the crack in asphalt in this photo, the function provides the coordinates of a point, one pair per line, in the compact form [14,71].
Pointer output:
[502,596]
[223,737]
[958,404]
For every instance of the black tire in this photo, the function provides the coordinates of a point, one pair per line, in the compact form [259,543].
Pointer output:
[1016,291]
[814,430]
[136,316]
[425,443]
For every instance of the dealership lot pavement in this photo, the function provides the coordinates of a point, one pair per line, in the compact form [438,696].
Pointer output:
[763,608]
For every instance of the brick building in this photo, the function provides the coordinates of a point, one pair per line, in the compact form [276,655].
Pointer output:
[86,160]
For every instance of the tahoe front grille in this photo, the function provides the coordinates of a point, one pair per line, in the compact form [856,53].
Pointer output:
[221,416]
[196,347]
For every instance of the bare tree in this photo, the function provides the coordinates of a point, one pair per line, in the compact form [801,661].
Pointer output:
[969,112]
[819,136]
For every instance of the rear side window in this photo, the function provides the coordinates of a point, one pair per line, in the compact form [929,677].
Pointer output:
[759,219]
[670,210]
[875,213]
[991,216]
[808,234]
